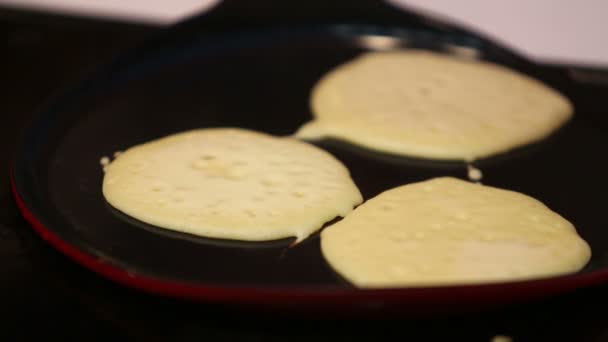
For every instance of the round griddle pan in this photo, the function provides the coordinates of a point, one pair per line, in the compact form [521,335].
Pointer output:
[252,65]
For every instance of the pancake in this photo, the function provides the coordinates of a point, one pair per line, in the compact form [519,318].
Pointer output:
[230,183]
[434,106]
[446,231]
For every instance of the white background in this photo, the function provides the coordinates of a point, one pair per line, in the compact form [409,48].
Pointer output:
[546,30]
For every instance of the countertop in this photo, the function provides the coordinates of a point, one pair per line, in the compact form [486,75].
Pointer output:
[560,31]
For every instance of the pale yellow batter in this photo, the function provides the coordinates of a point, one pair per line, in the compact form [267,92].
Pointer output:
[430,105]
[446,231]
[230,183]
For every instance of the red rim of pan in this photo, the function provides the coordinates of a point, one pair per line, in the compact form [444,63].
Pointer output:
[429,297]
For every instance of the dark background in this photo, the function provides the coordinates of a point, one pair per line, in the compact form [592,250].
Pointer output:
[42,293]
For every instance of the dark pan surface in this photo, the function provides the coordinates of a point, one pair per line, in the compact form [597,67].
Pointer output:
[261,80]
